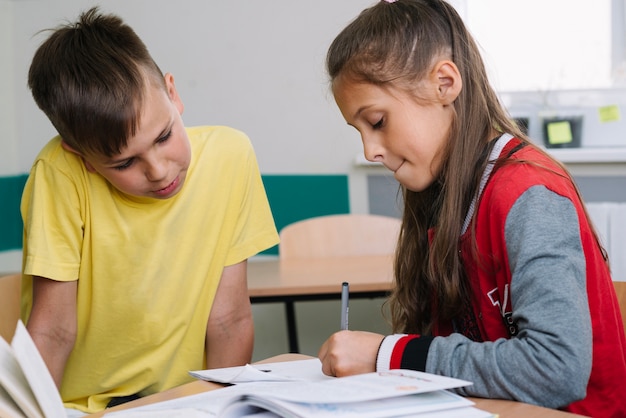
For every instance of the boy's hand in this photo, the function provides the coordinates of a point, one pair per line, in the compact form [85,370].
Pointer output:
[350,352]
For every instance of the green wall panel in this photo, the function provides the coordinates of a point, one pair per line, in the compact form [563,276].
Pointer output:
[10,218]
[296,197]
[292,198]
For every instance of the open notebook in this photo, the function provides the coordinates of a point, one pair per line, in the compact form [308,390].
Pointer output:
[299,389]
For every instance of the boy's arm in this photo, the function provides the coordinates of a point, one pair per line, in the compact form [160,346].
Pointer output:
[52,323]
[230,330]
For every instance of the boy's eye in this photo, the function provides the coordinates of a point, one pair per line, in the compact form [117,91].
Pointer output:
[165,137]
[124,166]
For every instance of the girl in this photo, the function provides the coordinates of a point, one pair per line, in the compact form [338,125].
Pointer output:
[500,278]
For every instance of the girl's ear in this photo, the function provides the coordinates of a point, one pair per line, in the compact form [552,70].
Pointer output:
[173,93]
[448,81]
[67,147]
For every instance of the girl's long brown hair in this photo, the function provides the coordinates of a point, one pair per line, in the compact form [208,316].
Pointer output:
[398,43]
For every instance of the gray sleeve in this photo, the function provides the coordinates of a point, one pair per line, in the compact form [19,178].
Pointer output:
[549,362]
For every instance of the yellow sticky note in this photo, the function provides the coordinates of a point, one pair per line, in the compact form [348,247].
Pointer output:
[560,132]
[609,113]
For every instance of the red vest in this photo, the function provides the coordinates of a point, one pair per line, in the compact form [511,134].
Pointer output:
[490,281]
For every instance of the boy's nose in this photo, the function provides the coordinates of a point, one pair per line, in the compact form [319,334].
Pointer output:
[156,170]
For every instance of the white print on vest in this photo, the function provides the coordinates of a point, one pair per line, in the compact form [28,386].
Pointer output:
[507,316]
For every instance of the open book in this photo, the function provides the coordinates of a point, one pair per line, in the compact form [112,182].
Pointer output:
[26,386]
[290,389]
[393,394]
[299,389]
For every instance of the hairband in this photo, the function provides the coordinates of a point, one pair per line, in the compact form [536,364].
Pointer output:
[390,1]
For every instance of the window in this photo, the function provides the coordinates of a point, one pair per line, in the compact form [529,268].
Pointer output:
[541,45]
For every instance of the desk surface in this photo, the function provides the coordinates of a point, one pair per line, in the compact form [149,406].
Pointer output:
[504,409]
[274,277]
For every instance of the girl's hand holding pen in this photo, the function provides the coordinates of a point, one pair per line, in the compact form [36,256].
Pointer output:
[350,352]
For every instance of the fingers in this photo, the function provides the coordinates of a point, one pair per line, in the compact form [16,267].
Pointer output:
[330,353]
[349,352]
[322,355]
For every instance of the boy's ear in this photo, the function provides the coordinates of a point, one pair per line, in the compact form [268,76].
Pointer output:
[67,147]
[448,81]
[173,93]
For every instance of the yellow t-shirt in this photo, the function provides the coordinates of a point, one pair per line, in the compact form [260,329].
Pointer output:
[147,269]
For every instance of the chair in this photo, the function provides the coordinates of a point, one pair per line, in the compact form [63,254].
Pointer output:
[620,290]
[333,236]
[10,290]
[339,236]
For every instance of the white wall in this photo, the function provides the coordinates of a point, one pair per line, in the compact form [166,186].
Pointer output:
[257,66]
[8,154]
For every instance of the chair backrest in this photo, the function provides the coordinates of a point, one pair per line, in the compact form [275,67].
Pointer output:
[620,290]
[339,236]
[10,290]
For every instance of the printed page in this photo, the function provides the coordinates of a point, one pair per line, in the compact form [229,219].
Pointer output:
[8,407]
[202,404]
[14,383]
[37,374]
[409,405]
[309,369]
[337,391]
[162,413]
[357,388]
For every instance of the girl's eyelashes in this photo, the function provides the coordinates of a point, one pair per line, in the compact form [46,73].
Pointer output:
[379,124]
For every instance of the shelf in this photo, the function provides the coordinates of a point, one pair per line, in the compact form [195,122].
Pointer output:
[589,155]
[565,155]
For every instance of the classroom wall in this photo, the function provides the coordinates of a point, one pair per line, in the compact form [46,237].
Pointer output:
[8,140]
[257,66]
[253,65]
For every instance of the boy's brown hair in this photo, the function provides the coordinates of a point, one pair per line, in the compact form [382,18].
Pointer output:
[90,79]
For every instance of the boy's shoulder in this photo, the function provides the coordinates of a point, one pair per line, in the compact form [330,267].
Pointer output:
[215,132]
[212,141]
[54,153]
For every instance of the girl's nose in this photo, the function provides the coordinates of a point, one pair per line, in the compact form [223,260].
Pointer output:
[373,151]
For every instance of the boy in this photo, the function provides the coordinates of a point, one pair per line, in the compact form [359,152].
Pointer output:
[135,227]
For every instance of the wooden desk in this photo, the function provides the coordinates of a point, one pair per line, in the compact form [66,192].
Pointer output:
[289,281]
[504,409]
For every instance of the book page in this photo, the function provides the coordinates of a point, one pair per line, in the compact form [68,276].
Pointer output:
[357,388]
[338,393]
[14,382]
[309,369]
[409,405]
[8,407]
[37,374]
[208,403]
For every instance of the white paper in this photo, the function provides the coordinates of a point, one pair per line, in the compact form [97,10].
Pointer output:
[8,407]
[388,407]
[36,373]
[358,388]
[14,382]
[309,370]
[362,392]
